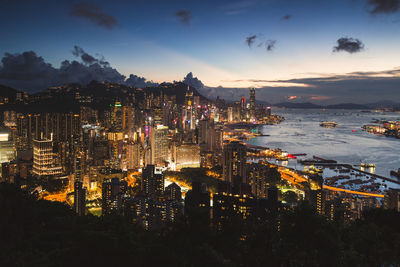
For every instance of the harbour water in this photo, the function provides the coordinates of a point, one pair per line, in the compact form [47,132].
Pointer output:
[347,143]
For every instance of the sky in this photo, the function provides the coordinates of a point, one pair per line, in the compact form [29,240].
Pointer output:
[309,51]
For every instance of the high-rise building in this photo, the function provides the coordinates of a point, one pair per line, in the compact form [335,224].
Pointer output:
[134,154]
[226,206]
[159,145]
[117,117]
[112,195]
[152,182]
[252,104]
[44,159]
[173,192]
[234,161]
[79,198]
[7,147]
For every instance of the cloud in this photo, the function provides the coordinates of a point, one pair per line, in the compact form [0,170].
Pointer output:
[139,82]
[94,14]
[349,45]
[28,71]
[286,17]
[383,6]
[250,40]
[193,81]
[184,16]
[88,59]
[270,45]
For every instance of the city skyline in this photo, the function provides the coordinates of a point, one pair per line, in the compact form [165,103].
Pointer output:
[306,52]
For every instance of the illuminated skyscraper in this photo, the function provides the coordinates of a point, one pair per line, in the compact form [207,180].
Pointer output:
[44,162]
[152,182]
[159,145]
[252,104]
[234,161]
[7,148]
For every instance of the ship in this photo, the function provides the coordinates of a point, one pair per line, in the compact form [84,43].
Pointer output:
[367,165]
[328,124]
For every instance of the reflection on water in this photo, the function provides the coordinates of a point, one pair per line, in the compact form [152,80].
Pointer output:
[348,143]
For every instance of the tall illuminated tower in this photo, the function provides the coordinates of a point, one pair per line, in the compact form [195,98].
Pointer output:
[234,163]
[252,104]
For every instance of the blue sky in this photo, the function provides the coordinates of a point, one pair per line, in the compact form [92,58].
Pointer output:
[150,40]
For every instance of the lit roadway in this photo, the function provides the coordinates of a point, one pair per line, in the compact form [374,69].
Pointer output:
[295,178]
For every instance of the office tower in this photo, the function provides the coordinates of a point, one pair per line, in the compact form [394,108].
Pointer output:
[7,147]
[234,161]
[173,192]
[230,114]
[252,104]
[152,182]
[134,155]
[79,198]
[113,191]
[204,133]
[116,117]
[159,145]
[44,162]
[128,120]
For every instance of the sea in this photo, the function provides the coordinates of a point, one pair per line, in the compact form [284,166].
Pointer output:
[301,132]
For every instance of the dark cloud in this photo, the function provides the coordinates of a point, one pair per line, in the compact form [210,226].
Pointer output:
[383,6]
[193,81]
[93,13]
[30,72]
[184,16]
[139,82]
[286,17]
[350,45]
[250,40]
[270,45]
[88,59]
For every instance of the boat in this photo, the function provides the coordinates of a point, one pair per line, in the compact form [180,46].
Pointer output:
[328,124]
[367,165]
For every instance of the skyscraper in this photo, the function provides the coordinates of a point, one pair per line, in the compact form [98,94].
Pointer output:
[7,148]
[234,161]
[79,198]
[44,162]
[252,104]
[152,182]
[159,145]
[112,194]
